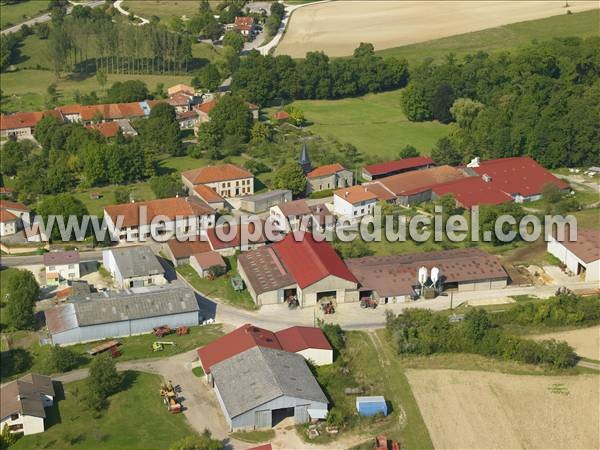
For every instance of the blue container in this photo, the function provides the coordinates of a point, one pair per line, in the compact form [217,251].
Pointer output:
[369,406]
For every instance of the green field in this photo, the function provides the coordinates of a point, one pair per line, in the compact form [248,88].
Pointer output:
[164,9]
[20,12]
[507,37]
[375,124]
[135,419]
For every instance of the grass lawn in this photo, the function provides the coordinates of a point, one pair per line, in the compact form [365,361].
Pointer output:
[20,12]
[220,288]
[503,38]
[588,218]
[254,437]
[25,90]
[140,191]
[375,124]
[135,419]
[374,368]
[164,9]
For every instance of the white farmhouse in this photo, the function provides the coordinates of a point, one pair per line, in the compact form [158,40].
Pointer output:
[23,403]
[62,266]
[582,257]
[355,201]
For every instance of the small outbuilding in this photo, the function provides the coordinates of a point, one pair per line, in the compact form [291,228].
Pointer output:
[208,263]
[134,267]
[369,406]
[262,202]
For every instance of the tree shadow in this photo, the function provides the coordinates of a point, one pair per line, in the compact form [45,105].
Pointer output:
[128,379]
[53,416]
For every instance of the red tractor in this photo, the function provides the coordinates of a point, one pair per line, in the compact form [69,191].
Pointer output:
[162,331]
[368,302]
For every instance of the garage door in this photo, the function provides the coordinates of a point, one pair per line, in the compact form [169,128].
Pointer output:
[301,414]
[262,419]
[138,283]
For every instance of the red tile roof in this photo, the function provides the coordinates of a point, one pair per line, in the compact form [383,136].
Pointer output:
[472,191]
[310,261]
[296,339]
[185,249]
[244,23]
[6,216]
[262,447]
[281,115]
[247,336]
[209,259]
[206,107]
[106,129]
[213,174]
[181,88]
[519,175]
[398,165]
[178,100]
[187,115]
[409,183]
[20,120]
[323,171]
[357,194]
[7,204]
[170,207]
[207,194]
[248,229]
[234,343]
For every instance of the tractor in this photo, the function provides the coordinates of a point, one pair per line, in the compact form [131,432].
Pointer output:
[158,346]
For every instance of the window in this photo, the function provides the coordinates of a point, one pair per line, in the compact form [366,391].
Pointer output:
[51,268]
[71,266]
[14,416]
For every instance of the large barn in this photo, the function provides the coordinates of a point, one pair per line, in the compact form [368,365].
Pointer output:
[262,386]
[103,315]
[582,256]
[304,269]
[394,278]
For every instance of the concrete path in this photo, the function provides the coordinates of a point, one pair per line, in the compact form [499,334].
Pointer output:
[46,16]
[589,365]
[118,6]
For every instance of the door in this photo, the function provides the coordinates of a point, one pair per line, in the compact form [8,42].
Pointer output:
[138,283]
[262,419]
[301,414]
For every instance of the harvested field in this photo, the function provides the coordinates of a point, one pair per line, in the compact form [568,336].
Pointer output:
[585,341]
[338,27]
[464,409]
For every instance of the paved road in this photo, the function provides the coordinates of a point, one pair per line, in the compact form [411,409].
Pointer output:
[46,17]
[118,6]
[13,261]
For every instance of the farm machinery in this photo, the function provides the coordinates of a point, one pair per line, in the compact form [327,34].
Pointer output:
[169,396]
[327,307]
[162,331]
[368,302]
[381,443]
[158,346]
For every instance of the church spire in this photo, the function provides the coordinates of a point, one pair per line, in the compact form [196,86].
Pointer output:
[304,161]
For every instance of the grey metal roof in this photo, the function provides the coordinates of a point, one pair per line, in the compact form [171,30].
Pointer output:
[259,375]
[105,307]
[266,195]
[137,262]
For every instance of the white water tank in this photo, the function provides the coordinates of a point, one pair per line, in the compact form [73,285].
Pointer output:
[435,275]
[422,275]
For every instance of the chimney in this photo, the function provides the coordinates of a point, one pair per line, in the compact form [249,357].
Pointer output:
[487,178]
[346,194]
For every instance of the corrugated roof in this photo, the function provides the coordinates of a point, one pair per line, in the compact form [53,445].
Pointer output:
[421,180]
[397,165]
[397,274]
[587,245]
[136,261]
[259,375]
[518,175]
[264,270]
[472,191]
[310,261]
[117,307]
[23,396]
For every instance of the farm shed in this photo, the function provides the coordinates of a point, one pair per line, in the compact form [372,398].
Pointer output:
[262,202]
[104,315]
[180,251]
[369,406]
[394,278]
[133,267]
[389,168]
[582,257]
[202,262]
[261,386]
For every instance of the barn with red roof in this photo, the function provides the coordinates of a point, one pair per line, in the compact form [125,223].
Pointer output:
[297,269]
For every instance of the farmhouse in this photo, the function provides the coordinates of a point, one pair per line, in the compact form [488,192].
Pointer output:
[394,278]
[261,386]
[23,403]
[581,257]
[520,177]
[331,176]
[288,215]
[227,180]
[304,270]
[13,217]
[117,314]
[133,267]
[22,125]
[355,201]
[134,220]
[262,202]
[386,169]
[188,120]
[180,251]
[245,25]
[64,265]
[229,239]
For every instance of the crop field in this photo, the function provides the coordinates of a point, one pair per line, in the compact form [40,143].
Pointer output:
[473,410]
[585,341]
[502,38]
[338,27]
[375,124]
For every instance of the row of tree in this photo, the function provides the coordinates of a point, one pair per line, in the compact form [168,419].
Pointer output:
[263,79]
[422,332]
[542,101]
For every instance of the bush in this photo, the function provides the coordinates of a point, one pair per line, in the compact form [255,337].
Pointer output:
[321,194]
[61,359]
